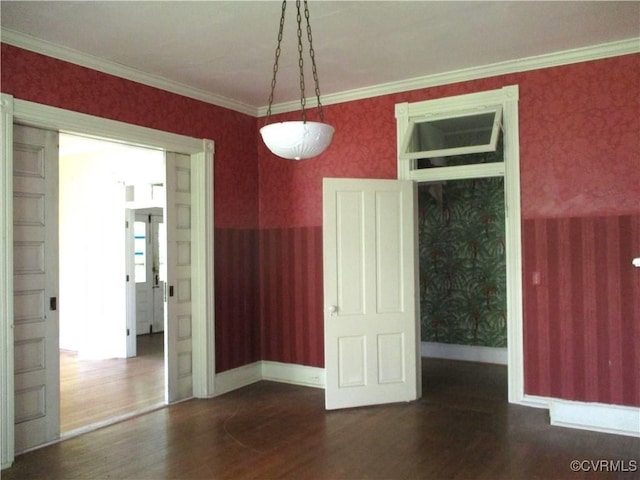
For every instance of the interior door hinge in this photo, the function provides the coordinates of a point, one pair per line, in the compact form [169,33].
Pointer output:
[127,278]
[126,224]
[128,332]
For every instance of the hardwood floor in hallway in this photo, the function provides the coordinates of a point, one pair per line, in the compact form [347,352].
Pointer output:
[462,428]
[95,391]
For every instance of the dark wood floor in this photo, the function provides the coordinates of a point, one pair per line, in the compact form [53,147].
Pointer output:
[462,428]
[96,391]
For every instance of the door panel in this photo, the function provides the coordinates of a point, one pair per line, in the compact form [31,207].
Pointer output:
[179,356]
[371,353]
[36,328]
[150,285]
[144,294]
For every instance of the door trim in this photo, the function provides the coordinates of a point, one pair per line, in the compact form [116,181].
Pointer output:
[7,445]
[510,170]
[201,152]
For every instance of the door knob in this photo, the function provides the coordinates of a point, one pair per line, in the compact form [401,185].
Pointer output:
[333,309]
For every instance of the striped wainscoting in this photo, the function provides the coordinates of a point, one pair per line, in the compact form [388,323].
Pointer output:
[291,293]
[236,295]
[582,308]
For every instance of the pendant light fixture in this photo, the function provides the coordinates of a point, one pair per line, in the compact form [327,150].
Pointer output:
[297,140]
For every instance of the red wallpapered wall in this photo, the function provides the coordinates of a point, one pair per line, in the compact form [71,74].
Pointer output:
[41,79]
[572,118]
[579,130]
[238,335]
[291,295]
[579,156]
[582,326]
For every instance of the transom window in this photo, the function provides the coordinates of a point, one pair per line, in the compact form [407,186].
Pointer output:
[452,133]
[458,137]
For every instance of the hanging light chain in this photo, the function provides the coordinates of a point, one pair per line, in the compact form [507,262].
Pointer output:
[303,100]
[313,61]
[275,65]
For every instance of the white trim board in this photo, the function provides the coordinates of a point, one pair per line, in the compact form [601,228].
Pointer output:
[599,417]
[7,410]
[555,59]
[236,378]
[292,373]
[467,353]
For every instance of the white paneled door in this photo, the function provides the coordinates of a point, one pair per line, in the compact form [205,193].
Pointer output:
[179,351]
[371,329]
[143,259]
[35,184]
[150,272]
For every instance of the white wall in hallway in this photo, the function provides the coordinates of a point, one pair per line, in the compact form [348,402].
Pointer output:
[92,243]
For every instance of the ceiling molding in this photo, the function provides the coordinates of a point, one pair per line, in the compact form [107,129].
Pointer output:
[565,57]
[27,42]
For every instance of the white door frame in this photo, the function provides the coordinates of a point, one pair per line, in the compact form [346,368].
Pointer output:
[201,151]
[132,347]
[510,170]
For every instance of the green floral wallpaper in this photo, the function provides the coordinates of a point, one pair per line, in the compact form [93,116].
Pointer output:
[462,260]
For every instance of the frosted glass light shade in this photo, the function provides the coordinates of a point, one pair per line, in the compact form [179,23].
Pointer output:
[297,140]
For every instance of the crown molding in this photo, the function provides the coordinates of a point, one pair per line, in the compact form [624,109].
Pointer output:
[566,57]
[27,42]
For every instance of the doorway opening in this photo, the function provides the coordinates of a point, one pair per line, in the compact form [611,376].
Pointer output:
[463,291]
[109,368]
[190,174]
[430,134]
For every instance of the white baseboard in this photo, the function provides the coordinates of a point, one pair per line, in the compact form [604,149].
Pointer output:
[599,417]
[237,378]
[534,401]
[468,353]
[274,371]
[295,374]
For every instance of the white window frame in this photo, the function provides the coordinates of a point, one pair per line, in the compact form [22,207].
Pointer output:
[414,121]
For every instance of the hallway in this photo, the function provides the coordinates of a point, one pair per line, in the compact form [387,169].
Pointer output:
[96,391]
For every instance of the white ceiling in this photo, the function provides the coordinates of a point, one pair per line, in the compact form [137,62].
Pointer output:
[226,48]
